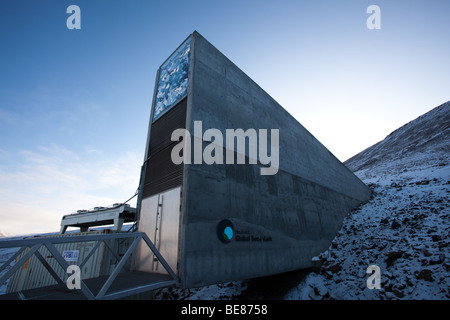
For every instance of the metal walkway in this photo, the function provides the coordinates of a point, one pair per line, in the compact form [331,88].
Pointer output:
[117,285]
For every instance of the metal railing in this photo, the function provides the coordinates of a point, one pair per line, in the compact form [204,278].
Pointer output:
[33,246]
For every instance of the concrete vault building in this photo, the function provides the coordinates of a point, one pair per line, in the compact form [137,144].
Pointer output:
[216,221]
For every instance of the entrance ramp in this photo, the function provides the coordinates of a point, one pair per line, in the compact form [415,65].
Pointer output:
[121,282]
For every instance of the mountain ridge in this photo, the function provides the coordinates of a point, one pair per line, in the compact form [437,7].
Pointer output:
[426,135]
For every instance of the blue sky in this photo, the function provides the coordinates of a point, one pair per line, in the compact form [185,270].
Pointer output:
[75,104]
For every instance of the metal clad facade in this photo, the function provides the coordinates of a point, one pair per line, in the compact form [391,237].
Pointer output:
[161,223]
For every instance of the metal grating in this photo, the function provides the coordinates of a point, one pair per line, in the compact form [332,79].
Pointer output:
[161,173]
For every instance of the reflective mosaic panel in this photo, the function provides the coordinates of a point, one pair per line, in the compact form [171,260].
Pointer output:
[173,80]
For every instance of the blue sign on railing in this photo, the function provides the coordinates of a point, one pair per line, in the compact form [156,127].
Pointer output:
[71,255]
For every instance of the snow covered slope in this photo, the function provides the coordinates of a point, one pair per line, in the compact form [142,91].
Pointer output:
[423,140]
[404,229]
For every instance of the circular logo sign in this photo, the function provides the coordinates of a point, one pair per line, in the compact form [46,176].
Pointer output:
[225,231]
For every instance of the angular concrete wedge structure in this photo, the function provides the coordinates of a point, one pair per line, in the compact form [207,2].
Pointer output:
[214,221]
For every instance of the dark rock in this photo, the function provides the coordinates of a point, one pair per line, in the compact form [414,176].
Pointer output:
[388,287]
[437,259]
[426,275]
[436,238]
[427,253]
[395,224]
[447,266]
[443,245]
[334,268]
[399,293]
[320,290]
[393,256]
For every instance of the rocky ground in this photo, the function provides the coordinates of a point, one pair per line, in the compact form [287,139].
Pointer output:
[404,230]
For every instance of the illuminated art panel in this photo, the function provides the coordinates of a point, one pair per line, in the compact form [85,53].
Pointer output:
[172,80]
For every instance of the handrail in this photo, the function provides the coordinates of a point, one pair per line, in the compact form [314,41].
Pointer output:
[48,242]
